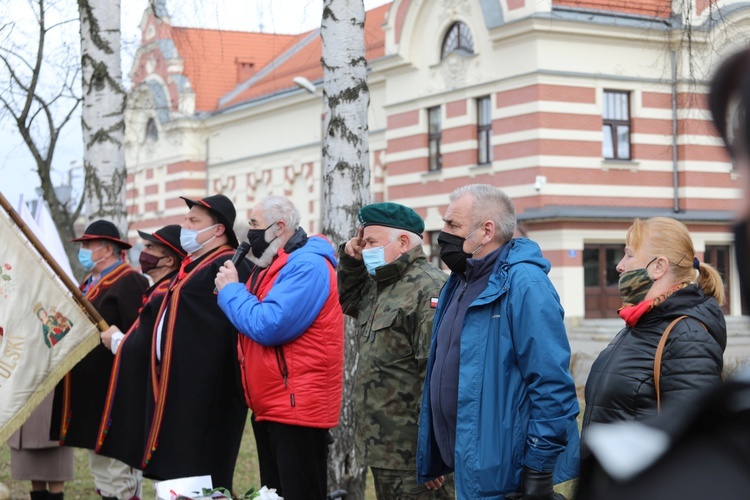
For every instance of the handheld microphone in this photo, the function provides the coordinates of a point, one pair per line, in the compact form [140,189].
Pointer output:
[239,254]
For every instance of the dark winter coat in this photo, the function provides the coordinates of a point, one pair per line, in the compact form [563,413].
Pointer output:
[80,397]
[195,395]
[620,386]
[122,433]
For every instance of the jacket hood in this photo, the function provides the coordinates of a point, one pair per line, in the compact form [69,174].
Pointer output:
[523,250]
[691,301]
[300,244]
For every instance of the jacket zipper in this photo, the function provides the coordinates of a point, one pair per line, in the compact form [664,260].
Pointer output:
[445,355]
[244,378]
[284,370]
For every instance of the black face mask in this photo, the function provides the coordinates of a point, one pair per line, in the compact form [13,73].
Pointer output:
[257,240]
[452,251]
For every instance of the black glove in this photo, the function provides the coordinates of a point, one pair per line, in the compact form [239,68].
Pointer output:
[537,485]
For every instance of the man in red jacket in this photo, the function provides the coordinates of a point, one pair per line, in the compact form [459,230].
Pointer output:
[291,347]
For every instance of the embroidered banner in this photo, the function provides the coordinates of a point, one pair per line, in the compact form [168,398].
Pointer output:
[43,330]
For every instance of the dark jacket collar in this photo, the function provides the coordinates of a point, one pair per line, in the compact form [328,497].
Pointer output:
[384,275]
[297,241]
[477,269]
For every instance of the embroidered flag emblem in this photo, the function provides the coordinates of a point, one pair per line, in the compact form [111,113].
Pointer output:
[433,302]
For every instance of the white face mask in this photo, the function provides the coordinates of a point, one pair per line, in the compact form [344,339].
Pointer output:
[189,239]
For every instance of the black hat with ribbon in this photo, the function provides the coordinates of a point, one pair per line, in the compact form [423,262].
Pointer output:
[221,207]
[103,230]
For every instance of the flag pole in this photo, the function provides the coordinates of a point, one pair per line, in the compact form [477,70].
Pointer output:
[77,294]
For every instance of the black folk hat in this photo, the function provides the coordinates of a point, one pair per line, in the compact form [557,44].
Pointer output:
[223,208]
[168,236]
[103,230]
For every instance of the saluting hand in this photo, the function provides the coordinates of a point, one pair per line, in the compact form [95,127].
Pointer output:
[355,245]
[227,274]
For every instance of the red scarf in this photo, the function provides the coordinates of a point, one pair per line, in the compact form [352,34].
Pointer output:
[182,273]
[631,314]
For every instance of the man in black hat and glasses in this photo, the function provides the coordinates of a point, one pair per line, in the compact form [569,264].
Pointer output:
[197,411]
[122,431]
[115,290]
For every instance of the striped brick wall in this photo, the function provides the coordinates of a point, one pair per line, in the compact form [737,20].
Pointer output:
[555,131]
[153,194]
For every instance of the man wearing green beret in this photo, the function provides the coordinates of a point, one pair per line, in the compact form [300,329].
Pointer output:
[387,284]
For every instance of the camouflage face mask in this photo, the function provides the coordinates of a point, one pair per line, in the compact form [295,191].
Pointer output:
[635,284]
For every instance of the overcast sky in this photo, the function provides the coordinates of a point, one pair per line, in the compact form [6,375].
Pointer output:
[271,16]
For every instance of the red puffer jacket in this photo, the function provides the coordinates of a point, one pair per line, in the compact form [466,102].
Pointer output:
[298,382]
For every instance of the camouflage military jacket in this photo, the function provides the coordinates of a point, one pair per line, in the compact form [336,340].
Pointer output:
[394,310]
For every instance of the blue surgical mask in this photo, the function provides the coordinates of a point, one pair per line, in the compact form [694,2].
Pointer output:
[374,258]
[189,239]
[85,257]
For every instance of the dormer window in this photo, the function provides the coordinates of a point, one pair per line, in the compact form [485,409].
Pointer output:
[458,39]
[152,133]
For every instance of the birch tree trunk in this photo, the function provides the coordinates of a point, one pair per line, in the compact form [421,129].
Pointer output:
[103,112]
[346,183]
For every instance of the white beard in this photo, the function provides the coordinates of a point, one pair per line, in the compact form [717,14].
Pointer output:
[269,254]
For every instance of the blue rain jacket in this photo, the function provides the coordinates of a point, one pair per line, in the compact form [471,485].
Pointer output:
[517,403]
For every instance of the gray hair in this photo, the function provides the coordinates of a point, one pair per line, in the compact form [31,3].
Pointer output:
[117,249]
[278,208]
[490,203]
[414,239]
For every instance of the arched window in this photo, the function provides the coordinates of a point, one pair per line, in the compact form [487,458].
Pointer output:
[152,133]
[458,39]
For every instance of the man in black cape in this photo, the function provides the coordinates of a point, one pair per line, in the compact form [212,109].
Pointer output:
[196,405]
[115,290]
[122,432]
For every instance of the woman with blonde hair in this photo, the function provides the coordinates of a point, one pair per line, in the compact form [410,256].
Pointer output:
[663,286]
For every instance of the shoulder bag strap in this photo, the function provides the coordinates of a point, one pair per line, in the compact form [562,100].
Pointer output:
[657,360]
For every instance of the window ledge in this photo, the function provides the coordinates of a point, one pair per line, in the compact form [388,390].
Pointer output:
[481,167]
[631,165]
[459,55]
[432,174]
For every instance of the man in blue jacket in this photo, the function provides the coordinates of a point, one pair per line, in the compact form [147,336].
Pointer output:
[499,405]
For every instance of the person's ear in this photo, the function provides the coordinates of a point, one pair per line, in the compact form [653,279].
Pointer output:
[171,262]
[661,266]
[281,225]
[403,243]
[488,232]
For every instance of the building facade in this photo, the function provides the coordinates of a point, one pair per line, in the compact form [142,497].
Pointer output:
[588,113]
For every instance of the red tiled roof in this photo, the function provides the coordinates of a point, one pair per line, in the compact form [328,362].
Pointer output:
[211,58]
[655,8]
[304,59]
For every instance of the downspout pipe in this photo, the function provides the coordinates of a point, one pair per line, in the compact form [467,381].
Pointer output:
[675,177]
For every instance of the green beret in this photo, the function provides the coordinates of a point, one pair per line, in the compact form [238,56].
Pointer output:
[391,215]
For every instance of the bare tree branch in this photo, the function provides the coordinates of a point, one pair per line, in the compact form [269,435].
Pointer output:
[40,105]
